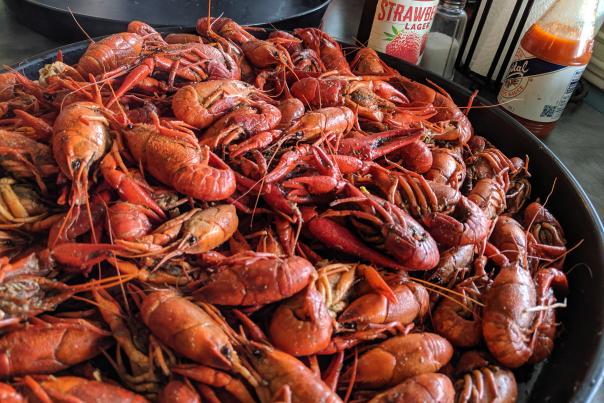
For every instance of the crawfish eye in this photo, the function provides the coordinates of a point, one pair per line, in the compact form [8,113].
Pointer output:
[76,164]
[192,239]
[257,353]
[130,126]
[226,351]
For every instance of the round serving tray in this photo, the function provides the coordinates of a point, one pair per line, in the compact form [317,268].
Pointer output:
[575,369]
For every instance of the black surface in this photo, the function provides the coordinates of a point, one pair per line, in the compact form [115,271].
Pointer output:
[102,17]
[575,368]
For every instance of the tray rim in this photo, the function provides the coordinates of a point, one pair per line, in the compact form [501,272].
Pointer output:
[36,3]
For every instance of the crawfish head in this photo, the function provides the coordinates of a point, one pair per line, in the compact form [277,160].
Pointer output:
[209,228]
[13,242]
[80,138]
[278,370]
[412,244]
[26,296]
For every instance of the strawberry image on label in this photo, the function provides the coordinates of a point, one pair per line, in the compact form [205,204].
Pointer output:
[404,45]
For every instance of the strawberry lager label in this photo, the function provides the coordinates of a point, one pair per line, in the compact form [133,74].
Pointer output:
[400,27]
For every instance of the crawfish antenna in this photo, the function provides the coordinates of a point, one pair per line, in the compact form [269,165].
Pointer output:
[353,376]
[470,102]
[78,24]
[209,17]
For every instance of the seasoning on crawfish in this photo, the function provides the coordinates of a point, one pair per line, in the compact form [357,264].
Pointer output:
[247,209]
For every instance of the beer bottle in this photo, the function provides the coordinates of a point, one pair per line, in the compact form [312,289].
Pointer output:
[397,27]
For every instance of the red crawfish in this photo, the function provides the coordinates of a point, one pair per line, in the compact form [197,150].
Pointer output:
[452,265]
[190,62]
[252,278]
[447,167]
[328,49]
[393,229]
[546,280]
[510,241]
[192,331]
[177,161]
[245,121]
[201,104]
[8,394]
[281,376]
[543,225]
[460,320]
[324,123]
[49,345]
[140,374]
[481,381]
[207,379]
[402,357]
[451,124]
[508,316]
[17,92]
[491,163]
[23,157]
[367,62]
[337,236]
[302,325]
[376,308]
[193,232]
[177,391]
[467,224]
[128,221]
[80,138]
[374,100]
[420,388]
[113,52]
[71,388]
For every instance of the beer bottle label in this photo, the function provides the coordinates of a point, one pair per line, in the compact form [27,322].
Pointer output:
[400,27]
[538,90]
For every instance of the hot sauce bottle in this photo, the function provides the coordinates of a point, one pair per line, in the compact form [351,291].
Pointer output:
[548,65]
[397,27]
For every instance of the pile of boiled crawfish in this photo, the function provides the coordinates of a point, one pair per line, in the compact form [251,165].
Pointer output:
[218,217]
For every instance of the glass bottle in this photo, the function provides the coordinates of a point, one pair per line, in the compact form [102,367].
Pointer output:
[445,37]
[548,65]
[397,27]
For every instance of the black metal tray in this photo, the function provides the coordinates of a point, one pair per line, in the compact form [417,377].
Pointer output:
[103,17]
[575,368]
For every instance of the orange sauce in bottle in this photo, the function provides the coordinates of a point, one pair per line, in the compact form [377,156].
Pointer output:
[545,70]
[568,50]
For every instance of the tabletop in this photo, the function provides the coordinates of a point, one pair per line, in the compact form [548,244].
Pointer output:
[578,139]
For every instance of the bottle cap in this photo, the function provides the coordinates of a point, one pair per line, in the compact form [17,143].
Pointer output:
[454,3]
